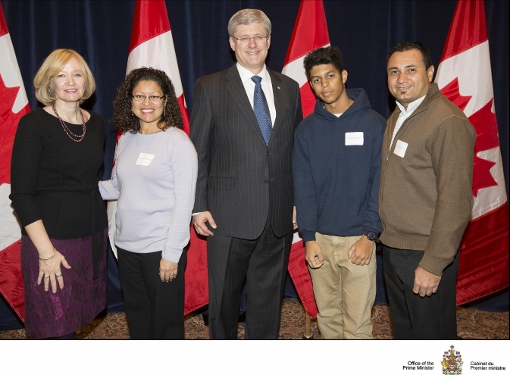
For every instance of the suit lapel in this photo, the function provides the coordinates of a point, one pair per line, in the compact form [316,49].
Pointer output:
[279,102]
[237,92]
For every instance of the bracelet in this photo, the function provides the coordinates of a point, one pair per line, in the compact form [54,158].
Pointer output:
[54,252]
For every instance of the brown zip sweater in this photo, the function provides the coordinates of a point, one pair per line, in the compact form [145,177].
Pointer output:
[425,197]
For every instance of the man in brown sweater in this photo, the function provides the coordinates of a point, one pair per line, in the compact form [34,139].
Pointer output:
[425,197]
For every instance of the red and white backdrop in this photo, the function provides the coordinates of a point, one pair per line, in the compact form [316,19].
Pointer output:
[464,76]
[101,32]
[13,105]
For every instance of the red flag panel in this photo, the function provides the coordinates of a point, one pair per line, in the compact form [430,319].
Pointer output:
[487,235]
[13,105]
[465,77]
[150,20]
[468,28]
[310,31]
[298,271]
[11,278]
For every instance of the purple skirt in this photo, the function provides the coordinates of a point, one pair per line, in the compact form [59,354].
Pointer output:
[49,314]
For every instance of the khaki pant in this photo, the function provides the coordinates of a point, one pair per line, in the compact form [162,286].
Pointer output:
[344,292]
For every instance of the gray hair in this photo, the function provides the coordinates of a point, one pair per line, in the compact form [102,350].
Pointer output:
[246,17]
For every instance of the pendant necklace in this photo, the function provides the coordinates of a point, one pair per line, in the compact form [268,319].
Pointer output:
[70,134]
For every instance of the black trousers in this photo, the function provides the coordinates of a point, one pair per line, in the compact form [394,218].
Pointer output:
[263,262]
[154,309]
[412,316]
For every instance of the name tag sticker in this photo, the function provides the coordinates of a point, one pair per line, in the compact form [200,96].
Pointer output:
[400,148]
[144,159]
[354,139]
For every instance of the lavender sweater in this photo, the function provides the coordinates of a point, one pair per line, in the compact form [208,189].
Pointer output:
[154,181]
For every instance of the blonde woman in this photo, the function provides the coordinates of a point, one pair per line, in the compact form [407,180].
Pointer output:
[56,163]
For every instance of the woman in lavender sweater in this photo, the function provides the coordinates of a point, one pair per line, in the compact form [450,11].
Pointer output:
[153,181]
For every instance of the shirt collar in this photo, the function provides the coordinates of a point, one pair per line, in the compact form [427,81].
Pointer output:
[246,74]
[411,106]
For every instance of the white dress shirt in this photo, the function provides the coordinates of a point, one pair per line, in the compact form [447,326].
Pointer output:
[266,85]
[404,115]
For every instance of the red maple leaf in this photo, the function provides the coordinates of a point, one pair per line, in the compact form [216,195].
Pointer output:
[451,91]
[8,124]
[485,124]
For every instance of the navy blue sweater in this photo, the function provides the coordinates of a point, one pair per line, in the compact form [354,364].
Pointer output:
[336,167]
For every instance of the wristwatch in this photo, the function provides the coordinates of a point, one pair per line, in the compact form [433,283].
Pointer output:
[372,236]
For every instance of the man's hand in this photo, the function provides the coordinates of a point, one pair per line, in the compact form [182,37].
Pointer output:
[361,252]
[313,254]
[425,283]
[199,222]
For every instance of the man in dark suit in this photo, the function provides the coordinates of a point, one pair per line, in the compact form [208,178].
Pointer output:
[244,197]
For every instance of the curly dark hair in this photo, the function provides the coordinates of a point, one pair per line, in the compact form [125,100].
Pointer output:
[123,117]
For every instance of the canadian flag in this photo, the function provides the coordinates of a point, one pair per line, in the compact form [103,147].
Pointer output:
[310,32]
[13,105]
[464,76]
[152,46]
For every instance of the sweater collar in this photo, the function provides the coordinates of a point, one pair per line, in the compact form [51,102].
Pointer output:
[357,95]
[432,94]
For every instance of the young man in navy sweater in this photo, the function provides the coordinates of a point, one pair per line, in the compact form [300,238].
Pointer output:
[336,168]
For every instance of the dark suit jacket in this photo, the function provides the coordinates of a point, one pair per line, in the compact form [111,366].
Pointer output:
[241,181]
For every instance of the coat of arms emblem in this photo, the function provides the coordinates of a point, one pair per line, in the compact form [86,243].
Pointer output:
[452,362]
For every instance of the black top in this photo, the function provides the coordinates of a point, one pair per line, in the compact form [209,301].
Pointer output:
[54,178]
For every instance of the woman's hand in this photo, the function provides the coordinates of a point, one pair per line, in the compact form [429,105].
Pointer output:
[50,271]
[50,259]
[167,270]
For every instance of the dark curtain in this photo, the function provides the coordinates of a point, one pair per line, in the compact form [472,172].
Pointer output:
[363,30]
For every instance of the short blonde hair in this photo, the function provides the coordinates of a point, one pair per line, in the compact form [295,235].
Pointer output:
[53,65]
